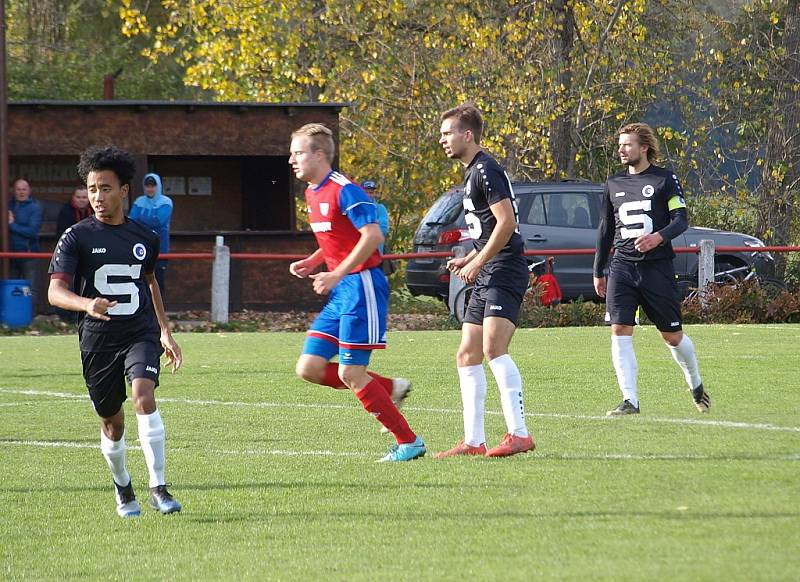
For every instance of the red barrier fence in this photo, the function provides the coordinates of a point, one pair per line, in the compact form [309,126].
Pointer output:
[221,268]
[293,257]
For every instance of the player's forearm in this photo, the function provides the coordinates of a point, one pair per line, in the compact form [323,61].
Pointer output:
[470,256]
[605,238]
[158,305]
[62,297]
[497,240]
[315,259]
[679,223]
[367,244]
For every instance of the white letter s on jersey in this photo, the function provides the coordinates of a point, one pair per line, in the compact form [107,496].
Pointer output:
[625,216]
[102,285]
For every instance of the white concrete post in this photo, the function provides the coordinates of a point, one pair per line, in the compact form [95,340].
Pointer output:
[456,284]
[220,282]
[705,268]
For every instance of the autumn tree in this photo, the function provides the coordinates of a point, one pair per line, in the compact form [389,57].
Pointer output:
[61,49]
[554,78]
[743,118]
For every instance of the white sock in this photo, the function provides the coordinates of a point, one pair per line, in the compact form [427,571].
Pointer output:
[114,453]
[624,360]
[152,437]
[473,396]
[509,382]
[684,354]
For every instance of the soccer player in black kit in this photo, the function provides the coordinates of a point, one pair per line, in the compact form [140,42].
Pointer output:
[643,210]
[499,271]
[124,329]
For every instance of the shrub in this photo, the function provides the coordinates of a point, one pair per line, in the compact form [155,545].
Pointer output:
[745,302]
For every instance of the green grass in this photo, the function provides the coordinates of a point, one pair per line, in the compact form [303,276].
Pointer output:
[278,480]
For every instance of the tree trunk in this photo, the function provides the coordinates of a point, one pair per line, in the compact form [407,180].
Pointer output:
[562,149]
[779,190]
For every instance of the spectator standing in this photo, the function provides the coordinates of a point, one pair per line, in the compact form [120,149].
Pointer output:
[154,210]
[371,188]
[24,221]
[70,214]
[74,211]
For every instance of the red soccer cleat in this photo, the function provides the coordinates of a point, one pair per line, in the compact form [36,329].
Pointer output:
[462,449]
[511,445]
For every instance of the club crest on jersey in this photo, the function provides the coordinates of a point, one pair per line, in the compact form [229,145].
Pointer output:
[139,251]
[648,191]
[324,207]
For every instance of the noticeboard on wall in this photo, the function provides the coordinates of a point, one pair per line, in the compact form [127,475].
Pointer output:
[174,185]
[199,185]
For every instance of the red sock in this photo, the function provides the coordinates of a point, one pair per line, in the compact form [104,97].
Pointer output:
[378,403]
[385,383]
[331,378]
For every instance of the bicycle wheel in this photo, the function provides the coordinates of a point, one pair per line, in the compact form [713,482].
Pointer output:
[771,286]
[460,303]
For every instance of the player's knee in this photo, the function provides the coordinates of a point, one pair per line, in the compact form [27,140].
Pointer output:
[466,357]
[492,352]
[672,338]
[307,372]
[143,396]
[113,429]
[351,376]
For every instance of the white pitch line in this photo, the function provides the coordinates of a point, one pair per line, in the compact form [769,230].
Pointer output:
[250,452]
[287,453]
[685,421]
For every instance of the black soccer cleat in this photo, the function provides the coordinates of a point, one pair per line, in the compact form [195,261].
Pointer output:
[702,399]
[161,500]
[625,407]
[127,506]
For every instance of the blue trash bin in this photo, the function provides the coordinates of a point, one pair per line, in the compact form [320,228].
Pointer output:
[16,303]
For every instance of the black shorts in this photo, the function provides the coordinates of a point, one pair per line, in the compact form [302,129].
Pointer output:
[105,373]
[650,284]
[498,291]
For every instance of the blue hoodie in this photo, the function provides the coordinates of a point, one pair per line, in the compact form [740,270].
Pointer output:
[155,213]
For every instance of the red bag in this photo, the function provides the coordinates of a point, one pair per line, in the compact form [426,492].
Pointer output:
[551,294]
[551,290]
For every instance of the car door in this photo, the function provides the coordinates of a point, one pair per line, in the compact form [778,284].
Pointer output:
[563,220]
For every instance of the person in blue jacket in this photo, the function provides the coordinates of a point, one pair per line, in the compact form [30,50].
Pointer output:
[371,188]
[24,221]
[154,210]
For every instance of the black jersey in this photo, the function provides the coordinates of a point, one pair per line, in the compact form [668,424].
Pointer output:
[486,183]
[111,261]
[639,204]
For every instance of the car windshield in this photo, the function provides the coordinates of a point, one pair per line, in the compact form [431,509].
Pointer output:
[445,210]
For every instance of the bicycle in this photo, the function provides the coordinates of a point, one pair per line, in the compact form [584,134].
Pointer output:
[734,277]
[461,300]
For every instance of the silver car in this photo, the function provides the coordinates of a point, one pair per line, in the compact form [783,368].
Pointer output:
[562,215]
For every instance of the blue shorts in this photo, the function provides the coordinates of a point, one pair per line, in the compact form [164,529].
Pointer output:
[353,322]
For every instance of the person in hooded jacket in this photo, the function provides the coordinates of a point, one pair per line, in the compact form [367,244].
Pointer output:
[154,210]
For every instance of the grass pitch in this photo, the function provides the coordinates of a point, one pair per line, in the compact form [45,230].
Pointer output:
[278,479]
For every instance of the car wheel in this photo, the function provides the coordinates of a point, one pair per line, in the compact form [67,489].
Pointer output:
[461,302]
[772,287]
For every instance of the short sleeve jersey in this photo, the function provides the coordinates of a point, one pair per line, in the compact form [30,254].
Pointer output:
[337,208]
[110,261]
[485,184]
[639,204]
